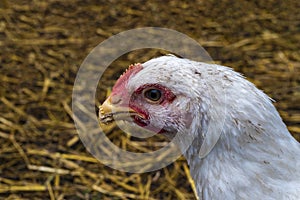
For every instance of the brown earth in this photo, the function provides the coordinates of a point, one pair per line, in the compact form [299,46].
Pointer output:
[43,44]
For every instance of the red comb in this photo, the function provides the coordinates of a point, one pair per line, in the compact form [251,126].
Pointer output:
[123,80]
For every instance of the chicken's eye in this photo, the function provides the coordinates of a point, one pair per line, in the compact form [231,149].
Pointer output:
[153,95]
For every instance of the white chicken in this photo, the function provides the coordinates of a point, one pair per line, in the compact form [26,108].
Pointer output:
[241,148]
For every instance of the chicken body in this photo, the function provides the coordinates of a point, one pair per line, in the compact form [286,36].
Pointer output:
[241,149]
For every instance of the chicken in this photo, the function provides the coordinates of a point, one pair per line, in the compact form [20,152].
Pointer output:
[241,149]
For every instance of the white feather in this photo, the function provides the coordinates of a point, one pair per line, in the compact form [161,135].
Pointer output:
[242,149]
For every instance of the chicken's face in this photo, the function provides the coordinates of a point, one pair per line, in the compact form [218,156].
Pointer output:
[146,96]
[170,96]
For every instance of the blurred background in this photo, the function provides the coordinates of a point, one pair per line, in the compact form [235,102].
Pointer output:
[43,44]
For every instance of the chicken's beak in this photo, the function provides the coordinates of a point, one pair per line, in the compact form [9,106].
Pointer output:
[109,112]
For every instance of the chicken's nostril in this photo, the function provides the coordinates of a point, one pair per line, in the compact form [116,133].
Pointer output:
[115,99]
